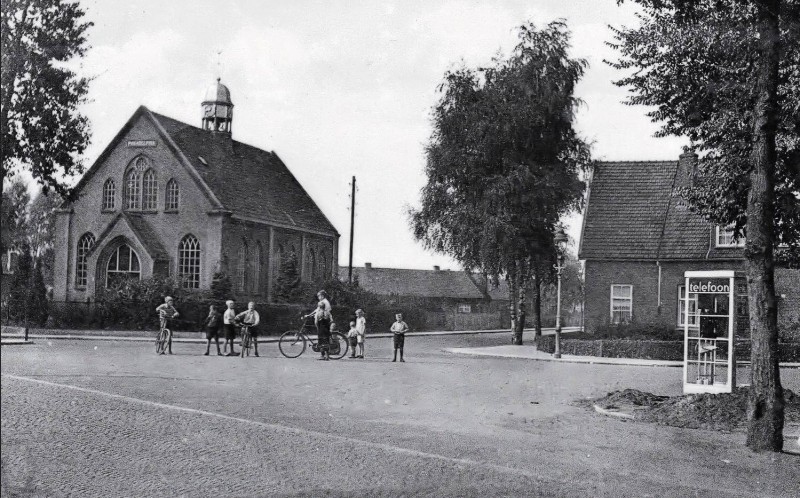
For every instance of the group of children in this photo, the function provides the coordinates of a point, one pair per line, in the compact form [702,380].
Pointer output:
[230,320]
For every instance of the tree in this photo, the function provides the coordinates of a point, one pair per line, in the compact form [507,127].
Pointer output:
[503,162]
[724,74]
[42,128]
[221,286]
[288,288]
[14,214]
[27,299]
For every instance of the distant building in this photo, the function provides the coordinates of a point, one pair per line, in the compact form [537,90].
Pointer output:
[639,237]
[166,198]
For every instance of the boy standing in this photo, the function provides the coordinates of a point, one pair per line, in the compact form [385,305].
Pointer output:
[399,329]
[250,318]
[228,320]
[361,330]
[166,313]
[213,324]
[352,338]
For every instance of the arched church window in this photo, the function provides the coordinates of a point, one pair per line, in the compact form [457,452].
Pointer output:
[109,194]
[123,264]
[133,190]
[189,262]
[257,267]
[173,194]
[85,244]
[241,268]
[312,264]
[149,191]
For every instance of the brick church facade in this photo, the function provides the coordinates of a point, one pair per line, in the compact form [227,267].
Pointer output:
[638,239]
[169,199]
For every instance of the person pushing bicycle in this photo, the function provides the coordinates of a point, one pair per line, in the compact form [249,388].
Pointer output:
[166,313]
[250,318]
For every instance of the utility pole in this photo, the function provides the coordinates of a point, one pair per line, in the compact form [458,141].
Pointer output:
[352,225]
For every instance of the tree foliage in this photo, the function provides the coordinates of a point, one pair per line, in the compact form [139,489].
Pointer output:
[43,131]
[16,201]
[503,161]
[698,67]
[27,297]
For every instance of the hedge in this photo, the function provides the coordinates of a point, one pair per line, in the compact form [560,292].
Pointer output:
[648,349]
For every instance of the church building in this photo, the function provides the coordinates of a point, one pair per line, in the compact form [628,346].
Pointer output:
[169,199]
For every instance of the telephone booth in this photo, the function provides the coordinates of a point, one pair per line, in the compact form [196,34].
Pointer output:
[709,360]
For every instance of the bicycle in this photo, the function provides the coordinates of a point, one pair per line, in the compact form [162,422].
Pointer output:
[293,343]
[162,340]
[247,341]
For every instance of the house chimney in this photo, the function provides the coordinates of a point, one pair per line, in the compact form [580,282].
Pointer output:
[687,169]
[436,268]
[367,265]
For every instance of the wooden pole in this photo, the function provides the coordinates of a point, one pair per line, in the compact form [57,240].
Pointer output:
[352,226]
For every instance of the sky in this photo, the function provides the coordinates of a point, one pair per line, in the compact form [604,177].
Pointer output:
[342,89]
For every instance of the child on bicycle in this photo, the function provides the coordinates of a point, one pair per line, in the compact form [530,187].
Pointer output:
[352,338]
[361,330]
[251,319]
[166,313]
[399,329]
[213,324]
[228,319]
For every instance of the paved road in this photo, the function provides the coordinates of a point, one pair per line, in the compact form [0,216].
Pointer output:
[89,418]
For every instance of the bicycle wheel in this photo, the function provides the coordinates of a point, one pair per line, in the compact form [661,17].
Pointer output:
[338,346]
[247,343]
[292,344]
[161,341]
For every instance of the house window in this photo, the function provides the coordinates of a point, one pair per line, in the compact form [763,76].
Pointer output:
[173,193]
[149,191]
[682,308]
[85,244]
[109,193]
[122,265]
[133,190]
[725,238]
[621,303]
[241,268]
[465,308]
[189,262]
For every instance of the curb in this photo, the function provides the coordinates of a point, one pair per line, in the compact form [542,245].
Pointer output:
[12,342]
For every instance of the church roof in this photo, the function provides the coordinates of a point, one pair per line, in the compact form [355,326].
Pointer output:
[141,230]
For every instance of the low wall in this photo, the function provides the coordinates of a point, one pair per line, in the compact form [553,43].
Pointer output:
[649,350]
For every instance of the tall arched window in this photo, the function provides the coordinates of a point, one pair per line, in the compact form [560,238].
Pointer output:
[257,268]
[122,265]
[312,264]
[133,192]
[149,191]
[189,262]
[241,268]
[109,194]
[85,244]
[173,194]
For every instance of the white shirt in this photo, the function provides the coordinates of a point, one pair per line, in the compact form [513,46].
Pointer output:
[229,317]
[250,317]
[361,325]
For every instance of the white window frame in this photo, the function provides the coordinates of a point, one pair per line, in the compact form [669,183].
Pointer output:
[465,308]
[727,233]
[682,298]
[629,299]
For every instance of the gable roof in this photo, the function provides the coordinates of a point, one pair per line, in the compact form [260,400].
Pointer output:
[415,283]
[143,232]
[247,181]
[634,212]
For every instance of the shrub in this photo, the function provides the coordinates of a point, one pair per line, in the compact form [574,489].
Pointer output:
[660,331]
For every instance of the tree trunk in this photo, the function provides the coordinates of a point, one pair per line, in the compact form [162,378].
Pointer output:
[512,302]
[537,305]
[519,303]
[766,404]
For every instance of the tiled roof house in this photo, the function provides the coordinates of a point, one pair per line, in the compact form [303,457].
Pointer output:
[639,237]
[171,199]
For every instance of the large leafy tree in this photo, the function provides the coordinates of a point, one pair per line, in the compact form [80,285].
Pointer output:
[503,162]
[724,73]
[42,128]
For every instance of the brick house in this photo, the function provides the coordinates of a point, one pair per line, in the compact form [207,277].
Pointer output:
[639,238]
[167,198]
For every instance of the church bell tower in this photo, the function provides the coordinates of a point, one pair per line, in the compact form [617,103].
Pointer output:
[218,109]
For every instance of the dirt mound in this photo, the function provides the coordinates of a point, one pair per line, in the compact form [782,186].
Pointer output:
[722,412]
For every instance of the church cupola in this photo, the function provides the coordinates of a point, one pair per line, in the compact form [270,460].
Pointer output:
[217,108]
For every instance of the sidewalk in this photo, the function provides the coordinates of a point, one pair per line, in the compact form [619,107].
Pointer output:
[531,353]
[199,337]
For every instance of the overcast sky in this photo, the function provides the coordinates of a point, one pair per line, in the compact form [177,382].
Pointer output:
[338,89]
